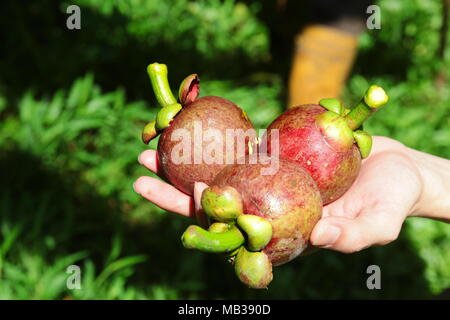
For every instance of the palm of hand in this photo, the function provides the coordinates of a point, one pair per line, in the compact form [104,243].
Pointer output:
[372,211]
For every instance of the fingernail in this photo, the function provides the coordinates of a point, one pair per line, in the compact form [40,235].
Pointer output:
[139,159]
[326,235]
[134,187]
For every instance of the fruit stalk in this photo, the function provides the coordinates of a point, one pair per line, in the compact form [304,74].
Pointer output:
[223,227]
[216,242]
[160,84]
[166,115]
[374,98]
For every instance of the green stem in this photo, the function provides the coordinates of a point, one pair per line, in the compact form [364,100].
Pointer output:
[197,238]
[166,115]
[374,98]
[160,84]
[358,115]
[223,227]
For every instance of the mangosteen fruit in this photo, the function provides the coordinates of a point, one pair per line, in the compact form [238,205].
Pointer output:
[199,136]
[327,140]
[275,212]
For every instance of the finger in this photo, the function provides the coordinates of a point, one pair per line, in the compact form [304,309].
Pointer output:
[382,144]
[165,196]
[354,234]
[350,204]
[328,210]
[200,215]
[149,159]
[384,179]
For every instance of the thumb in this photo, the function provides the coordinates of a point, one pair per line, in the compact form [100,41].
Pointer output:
[354,234]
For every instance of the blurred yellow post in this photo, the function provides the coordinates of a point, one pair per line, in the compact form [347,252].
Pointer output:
[322,60]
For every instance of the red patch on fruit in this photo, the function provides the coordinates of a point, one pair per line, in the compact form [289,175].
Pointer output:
[301,141]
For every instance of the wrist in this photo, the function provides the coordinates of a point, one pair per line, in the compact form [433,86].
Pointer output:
[434,199]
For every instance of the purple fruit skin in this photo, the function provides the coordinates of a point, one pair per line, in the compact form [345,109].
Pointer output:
[288,199]
[213,113]
[300,140]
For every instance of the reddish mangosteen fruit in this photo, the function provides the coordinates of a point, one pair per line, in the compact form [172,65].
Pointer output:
[263,211]
[199,136]
[326,139]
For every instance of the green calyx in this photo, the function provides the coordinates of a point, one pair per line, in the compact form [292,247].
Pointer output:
[339,125]
[166,115]
[216,242]
[160,84]
[189,89]
[222,203]
[149,132]
[239,237]
[335,130]
[257,229]
[332,104]
[364,142]
[253,268]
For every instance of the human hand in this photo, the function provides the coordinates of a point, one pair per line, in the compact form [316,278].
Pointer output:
[167,196]
[395,182]
[372,211]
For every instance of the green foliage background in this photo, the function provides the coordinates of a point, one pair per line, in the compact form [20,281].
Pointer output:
[72,104]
